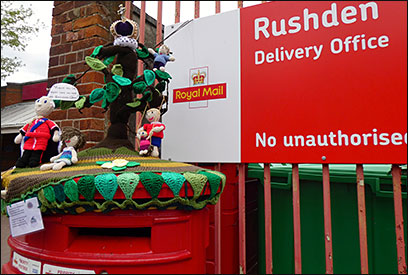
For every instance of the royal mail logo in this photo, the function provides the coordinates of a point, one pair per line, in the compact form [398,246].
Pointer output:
[198,78]
[197,93]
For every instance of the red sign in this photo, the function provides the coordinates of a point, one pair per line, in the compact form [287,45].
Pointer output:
[196,93]
[324,82]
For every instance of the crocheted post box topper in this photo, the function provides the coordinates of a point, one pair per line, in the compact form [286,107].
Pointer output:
[73,140]
[36,135]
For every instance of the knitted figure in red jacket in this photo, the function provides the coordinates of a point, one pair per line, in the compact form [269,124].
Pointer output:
[154,129]
[37,133]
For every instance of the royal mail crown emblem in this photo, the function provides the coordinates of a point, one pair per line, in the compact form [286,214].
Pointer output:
[198,78]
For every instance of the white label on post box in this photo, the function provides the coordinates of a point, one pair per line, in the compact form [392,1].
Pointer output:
[53,269]
[25,217]
[26,265]
[63,91]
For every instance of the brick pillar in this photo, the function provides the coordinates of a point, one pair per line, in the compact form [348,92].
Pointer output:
[77,28]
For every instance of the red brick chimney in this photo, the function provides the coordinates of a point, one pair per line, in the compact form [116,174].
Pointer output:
[77,28]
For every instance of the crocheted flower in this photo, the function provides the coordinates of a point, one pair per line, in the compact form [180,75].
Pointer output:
[117,164]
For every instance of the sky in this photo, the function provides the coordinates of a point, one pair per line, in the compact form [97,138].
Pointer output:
[36,55]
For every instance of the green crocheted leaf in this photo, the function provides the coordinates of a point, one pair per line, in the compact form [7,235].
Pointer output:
[143,53]
[162,75]
[122,81]
[108,60]
[59,193]
[149,77]
[95,63]
[128,182]
[147,96]
[79,104]
[161,86]
[106,185]
[49,193]
[96,51]
[96,95]
[134,104]
[115,168]
[71,190]
[86,187]
[112,91]
[67,104]
[132,164]
[152,183]
[105,103]
[174,180]
[197,182]
[117,69]
[214,181]
[70,79]
[101,162]
[222,176]
[139,87]
[57,103]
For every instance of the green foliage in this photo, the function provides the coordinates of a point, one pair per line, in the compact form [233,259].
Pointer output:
[16,28]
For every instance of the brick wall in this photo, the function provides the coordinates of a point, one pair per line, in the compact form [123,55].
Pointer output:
[77,28]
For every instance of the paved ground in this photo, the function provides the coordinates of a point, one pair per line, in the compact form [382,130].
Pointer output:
[5,232]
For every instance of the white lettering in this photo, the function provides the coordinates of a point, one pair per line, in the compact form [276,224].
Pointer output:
[262,29]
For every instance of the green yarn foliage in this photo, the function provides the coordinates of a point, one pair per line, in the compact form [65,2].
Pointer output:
[71,190]
[214,181]
[106,185]
[139,87]
[96,95]
[122,81]
[197,182]
[95,63]
[117,69]
[112,91]
[66,104]
[174,180]
[79,104]
[49,193]
[59,193]
[149,77]
[152,183]
[86,187]
[127,183]
[96,51]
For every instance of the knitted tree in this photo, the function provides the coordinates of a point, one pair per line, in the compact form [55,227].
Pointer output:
[124,92]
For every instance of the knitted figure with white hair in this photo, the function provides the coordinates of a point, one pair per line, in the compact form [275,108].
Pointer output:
[37,133]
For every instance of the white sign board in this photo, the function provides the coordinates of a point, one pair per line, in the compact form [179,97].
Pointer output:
[63,91]
[203,121]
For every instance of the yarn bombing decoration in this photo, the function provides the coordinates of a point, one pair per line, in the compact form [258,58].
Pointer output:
[155,183]
[111,175]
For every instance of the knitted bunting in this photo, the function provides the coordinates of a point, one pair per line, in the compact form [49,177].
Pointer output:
[86,187]
[174,181]
[106,185]
[152,182]
[128,182]
[71,190]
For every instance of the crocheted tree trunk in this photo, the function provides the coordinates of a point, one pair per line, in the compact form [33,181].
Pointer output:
[125,92]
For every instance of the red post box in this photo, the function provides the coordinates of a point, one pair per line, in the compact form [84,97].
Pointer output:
[118,242]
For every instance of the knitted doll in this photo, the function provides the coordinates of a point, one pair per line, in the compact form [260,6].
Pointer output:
[154,129]
[73,139]
[144,145]
[37,134]
[161,58]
